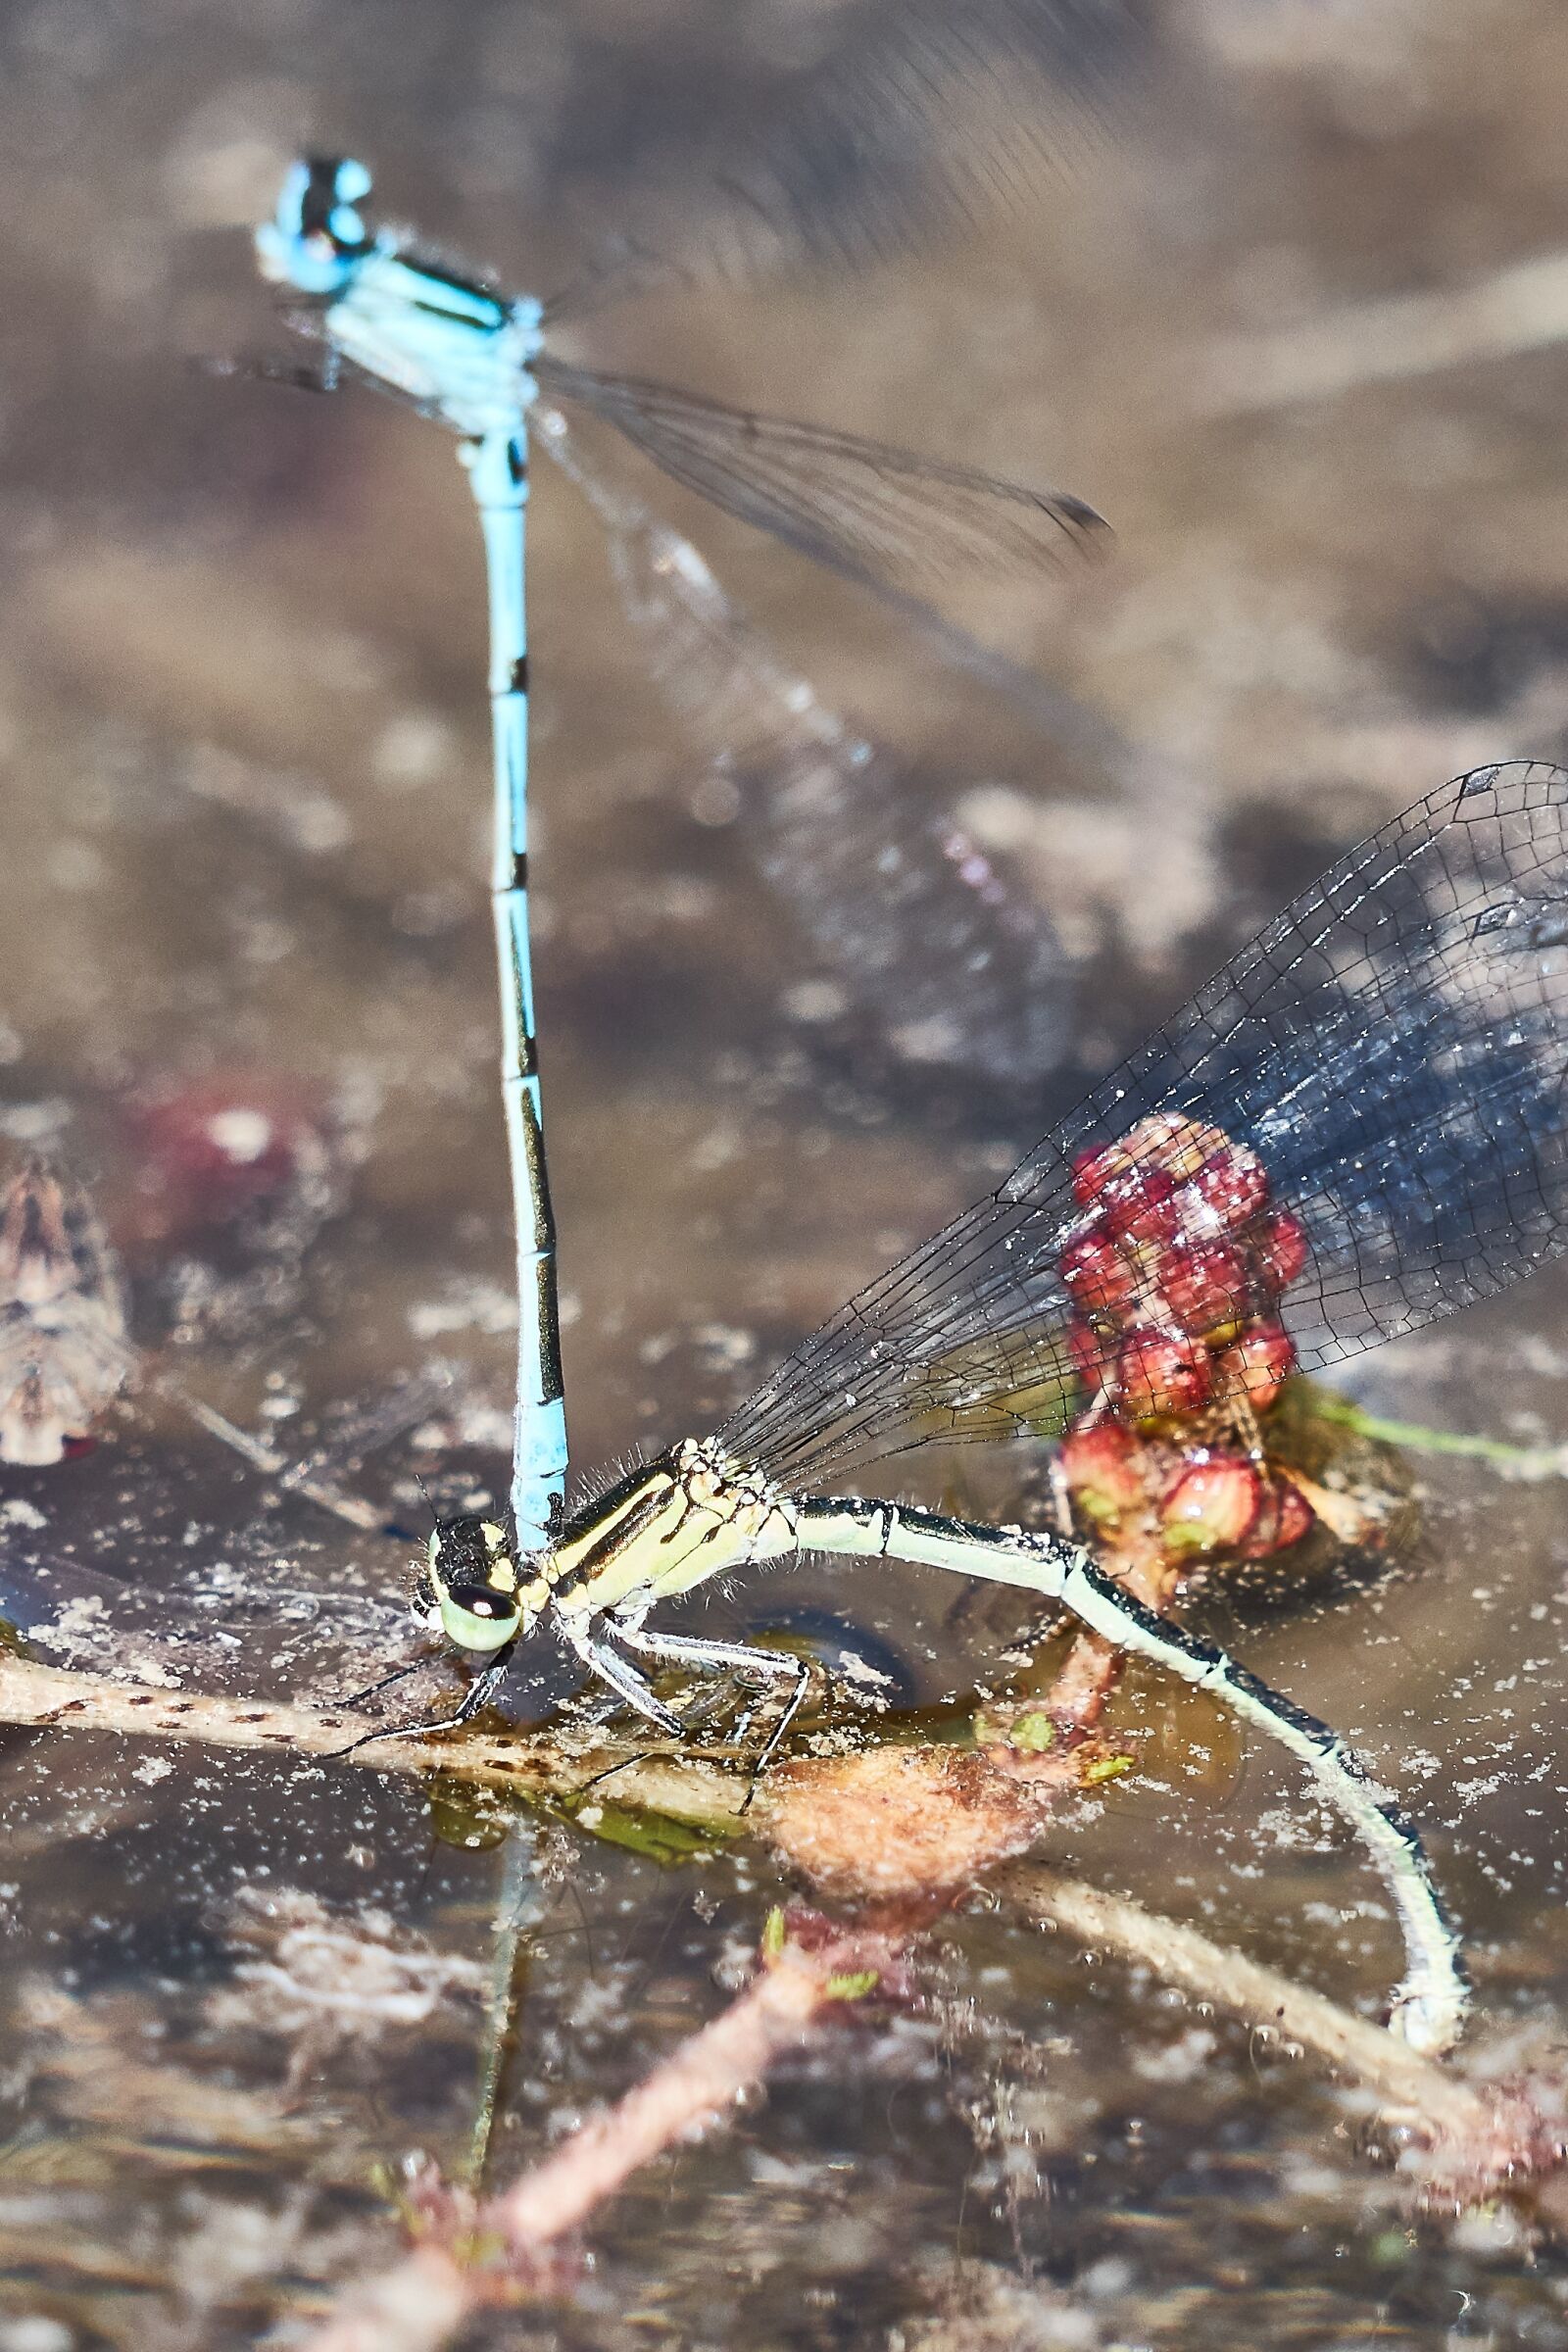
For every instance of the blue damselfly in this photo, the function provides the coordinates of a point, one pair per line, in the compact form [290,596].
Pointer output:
[474,358]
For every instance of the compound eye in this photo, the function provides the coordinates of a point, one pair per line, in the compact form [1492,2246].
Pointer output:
[483,1602]
[479,1618]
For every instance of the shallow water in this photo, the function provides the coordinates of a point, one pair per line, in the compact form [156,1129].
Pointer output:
[244,745]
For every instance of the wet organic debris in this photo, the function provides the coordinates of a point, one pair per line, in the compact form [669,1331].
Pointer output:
[320,1980]
[64,1350]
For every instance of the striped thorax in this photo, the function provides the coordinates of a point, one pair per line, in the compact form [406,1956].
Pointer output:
[440,339]
[665,1529]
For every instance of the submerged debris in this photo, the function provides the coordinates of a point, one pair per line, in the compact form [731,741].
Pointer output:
[330,1978]
[63,1353]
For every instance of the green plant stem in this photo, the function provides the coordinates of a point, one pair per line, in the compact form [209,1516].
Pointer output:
[1416,1437]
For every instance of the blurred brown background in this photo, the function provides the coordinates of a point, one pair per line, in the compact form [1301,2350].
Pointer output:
[1274,326]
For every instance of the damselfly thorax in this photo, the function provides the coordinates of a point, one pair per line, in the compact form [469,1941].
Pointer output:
[665,1528]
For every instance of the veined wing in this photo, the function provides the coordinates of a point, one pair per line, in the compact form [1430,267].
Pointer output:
[1394,1048]
[882,516]
[956,967]
[907,121]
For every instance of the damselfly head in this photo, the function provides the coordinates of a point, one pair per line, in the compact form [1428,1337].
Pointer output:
[315,237]
[480,1600]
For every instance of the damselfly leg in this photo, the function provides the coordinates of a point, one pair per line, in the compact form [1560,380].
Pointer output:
[739,1660]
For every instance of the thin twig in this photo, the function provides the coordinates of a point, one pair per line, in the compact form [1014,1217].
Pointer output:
[892,1822]
[1519,309]
[549,1765]
[885,1824]
[1414,2091]
[422,2300]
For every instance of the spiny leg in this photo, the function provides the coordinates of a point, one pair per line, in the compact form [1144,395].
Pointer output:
[731,1658]
[621,1675]
[383,1682]
[479,1693]
[734,1657]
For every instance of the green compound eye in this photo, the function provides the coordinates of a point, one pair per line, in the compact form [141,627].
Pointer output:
[476,1617]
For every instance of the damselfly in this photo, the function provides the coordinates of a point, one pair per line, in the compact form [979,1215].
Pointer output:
[474,358]
[1383,1068]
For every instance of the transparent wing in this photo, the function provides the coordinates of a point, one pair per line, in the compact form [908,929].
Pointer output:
[1394,1048]
[882,516]
[904,122]
[954,964]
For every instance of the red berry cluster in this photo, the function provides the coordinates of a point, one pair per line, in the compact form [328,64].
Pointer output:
[1201,1500]
[1175,1271]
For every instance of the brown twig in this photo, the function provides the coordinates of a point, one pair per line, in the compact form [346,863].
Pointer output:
[1520,308]
[920,1825]
[1093,1667]
[488,2252]
[1415,2091]
[557,1764]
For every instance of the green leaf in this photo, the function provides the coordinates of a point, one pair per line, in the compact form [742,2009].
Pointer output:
[854,1985]
[657,1836]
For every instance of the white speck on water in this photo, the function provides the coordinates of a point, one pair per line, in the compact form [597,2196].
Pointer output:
[413,750]
[475,1306]
[816,1001]
[34,1122]
[35,2333]
[241,1134]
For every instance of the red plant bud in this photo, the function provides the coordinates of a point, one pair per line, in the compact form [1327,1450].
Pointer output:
[1282,1251]
[1160,1372]
[1093,1169]
[1204,1284]
[1142,1206]
[1098,1278]
[1171,1141]
[1284,1518]
[1213,1506]
[1259,1365]
[212,1148]
[1296,1515]
[1234,1183]
[1104,1468]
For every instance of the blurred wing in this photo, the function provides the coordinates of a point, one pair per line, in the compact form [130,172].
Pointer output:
[1395,1048]
[883,516]
[904,122]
